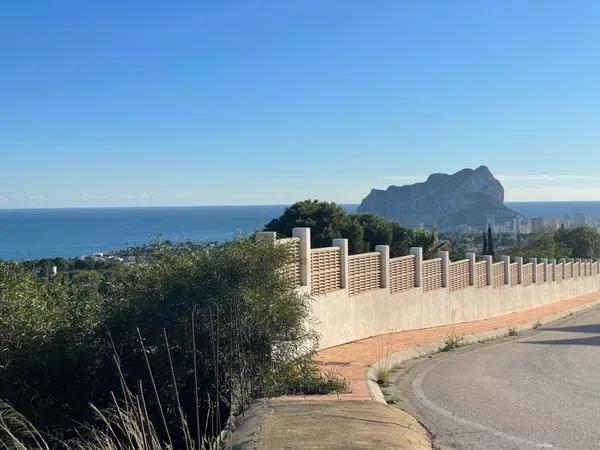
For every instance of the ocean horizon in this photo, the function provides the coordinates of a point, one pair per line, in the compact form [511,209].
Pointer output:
[73,232]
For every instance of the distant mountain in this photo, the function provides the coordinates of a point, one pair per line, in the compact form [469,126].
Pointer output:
[446,201]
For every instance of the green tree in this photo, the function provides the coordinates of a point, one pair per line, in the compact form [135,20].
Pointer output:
[402,239]
[326,220]
[490,241]
[376,230]
[428,240]
[583,242]
[484,248]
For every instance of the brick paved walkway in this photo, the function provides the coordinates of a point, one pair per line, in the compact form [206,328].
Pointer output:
[353,359]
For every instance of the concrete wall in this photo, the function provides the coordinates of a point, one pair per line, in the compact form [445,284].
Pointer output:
[386,296]
[340,318]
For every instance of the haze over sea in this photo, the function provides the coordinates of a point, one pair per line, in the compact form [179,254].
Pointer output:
[44,233]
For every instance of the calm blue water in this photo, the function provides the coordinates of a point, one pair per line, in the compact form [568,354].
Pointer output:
[550,210]
[43,233]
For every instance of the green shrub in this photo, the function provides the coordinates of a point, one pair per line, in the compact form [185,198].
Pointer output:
[452,342]
[234,306]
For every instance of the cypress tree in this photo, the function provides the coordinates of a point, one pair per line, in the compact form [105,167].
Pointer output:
[490,241]
[485,244]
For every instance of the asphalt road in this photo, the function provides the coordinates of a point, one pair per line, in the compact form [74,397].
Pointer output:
[540,389]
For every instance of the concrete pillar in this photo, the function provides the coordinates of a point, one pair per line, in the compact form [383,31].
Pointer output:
[506,261]
[343,245]
[489,271]
[304,235]
[519,261]
[553,269]
[417,252]
[270,236]
[384,252]
[445,267]
[534,262]
[472,259]
[545,265]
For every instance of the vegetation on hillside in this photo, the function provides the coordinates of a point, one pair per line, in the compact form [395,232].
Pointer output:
[583,242]
[216,329]
[329,221]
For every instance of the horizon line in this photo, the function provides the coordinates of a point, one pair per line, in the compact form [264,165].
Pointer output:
[246,204]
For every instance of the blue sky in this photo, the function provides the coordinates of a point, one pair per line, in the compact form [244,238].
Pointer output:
[197,102]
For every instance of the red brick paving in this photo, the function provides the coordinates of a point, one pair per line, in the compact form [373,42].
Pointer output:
[351,360]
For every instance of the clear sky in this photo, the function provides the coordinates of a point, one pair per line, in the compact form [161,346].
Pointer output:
[268,102]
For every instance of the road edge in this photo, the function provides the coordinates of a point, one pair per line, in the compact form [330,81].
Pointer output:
[396,358]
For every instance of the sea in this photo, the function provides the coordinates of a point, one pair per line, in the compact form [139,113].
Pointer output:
[74,232]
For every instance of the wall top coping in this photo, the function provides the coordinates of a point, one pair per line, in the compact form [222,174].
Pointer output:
[324,249]
[359,255]
[398,258]
[460,261]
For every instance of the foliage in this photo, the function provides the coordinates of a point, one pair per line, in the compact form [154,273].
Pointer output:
[490,241]
[428,240]
[581,242]
[452,342]
[484,249]
[247,322]
[328,221]
[49,343]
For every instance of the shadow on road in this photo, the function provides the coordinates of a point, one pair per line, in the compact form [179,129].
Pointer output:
[594,328]
[594,340]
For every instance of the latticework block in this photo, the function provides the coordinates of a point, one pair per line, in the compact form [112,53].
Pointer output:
[432,274]
[481,274]
[325,269]
[527,274]
[458,275]
[402,273]
[292,269]
[364,272]
[498,274]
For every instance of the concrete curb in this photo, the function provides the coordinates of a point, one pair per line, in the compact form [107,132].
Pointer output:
[401,356]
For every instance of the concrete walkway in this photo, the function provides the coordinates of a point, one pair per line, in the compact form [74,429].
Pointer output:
[288,424]
[315,422]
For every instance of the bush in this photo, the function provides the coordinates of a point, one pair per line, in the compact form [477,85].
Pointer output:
[234,306]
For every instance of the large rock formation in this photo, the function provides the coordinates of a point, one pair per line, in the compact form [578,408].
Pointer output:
[466,197]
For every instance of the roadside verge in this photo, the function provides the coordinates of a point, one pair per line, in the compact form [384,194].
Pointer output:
[360,418]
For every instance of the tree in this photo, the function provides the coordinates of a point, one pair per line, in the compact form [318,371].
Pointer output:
[583,242]
[326,220]
[484,248]
[401,240]
[376,230]
[490,241]
[543,245]
[427,240]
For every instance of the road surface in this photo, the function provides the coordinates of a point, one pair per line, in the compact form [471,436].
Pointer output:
[540,389]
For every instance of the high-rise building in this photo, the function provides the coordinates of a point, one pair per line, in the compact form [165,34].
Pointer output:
[536,224]
[579,220]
